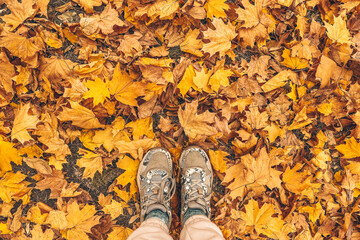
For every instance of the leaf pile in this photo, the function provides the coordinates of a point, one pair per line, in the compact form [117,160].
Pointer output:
[269,88]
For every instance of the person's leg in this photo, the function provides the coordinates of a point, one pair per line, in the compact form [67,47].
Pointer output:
[196,189]
[200,227]
[156,185]
[151,229]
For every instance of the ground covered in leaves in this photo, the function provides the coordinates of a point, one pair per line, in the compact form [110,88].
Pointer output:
[270,89]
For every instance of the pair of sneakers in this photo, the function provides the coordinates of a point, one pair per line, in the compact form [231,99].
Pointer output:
[157,184]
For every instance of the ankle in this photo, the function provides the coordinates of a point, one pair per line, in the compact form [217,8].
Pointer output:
[157,213]
[192,212]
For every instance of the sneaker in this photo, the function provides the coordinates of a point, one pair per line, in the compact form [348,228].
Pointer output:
[156,182]
[196,180]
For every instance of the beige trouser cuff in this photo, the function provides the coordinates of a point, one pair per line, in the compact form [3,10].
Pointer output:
[196,227]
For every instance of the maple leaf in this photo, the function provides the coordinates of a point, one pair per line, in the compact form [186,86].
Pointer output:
[40,165]
[217,160]
[351,148]
[47,130]
[22,122]
[56,69]
[187,80]
[115,208]
[9,154]
[293,62]
[92,162]
[124,88]
[135,148]
[88,5]
[37,233]
[215,8]
[220,78]
[142,127]
[12,185]
[300,120]
[120,233]
[42,5]
[256,119]
[196,124]
[6,73]
[19,12]
[325,71]
[83,219]
[261,219]
[338,32]
[201,79]
[220,38]
[97,90]
[258,66]
[29,50]
[278,80]
[256,24]
[191,44]
[313,211]
[80,116]
[104,22]
[296,181]
[57,220]
[129,176]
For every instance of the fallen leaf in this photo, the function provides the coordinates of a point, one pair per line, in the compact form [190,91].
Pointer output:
[80,116]
[22,122]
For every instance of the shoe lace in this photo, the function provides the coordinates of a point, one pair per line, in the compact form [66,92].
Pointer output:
[158,194]
[196,192]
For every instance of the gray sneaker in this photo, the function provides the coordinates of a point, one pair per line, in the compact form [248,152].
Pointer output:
[156,182]
[196,181]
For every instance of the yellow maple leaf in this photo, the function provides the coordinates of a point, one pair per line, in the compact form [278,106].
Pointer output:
[313,211]
[22,122]
[338,32]
[220,38]
[124,88]
[34,215]
[9,154]
[261,219]
[325,70]
[186,81]
[37,233]
[92,162]
[83,219]
[293,62]
[191,44]
[12,185]
[354,167]
[42,6]
[57,220]
[196,124]
[142,127]
[351,148]
[88,5]
[164,9]
[300,120]
[215,8]
[129,176]
[325,108]
[115,208]
[19,12]
[98,90]
[80,116]
[201,79]
[220,78]
[278,80]
[217,160]
[135,148]
[120,233]
[296,181]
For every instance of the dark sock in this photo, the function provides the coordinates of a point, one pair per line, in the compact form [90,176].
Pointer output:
[157,213]
[193,211]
